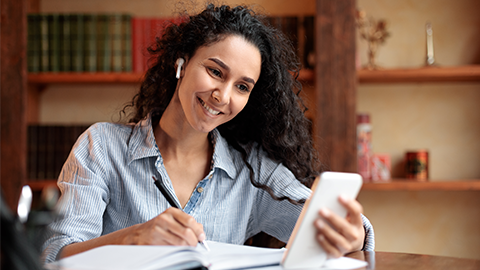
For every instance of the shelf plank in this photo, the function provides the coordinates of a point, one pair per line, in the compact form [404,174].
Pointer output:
[409,185]
[422,74]
[39,185]
[469,73]
[85,77]
[394,185]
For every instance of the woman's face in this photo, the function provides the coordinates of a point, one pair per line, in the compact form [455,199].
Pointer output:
[217,81]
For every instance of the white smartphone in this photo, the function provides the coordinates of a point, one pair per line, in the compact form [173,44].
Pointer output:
[303,250]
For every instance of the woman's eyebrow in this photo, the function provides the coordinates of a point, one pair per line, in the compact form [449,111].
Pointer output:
[224,66]
[220,63]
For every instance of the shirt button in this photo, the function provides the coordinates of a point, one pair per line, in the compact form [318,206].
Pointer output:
[200,189]
[210,176]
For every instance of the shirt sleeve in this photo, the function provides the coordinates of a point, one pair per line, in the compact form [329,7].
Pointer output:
[84,196]
[278,218]
[369,241]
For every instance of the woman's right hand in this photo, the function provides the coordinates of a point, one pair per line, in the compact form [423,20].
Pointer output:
[172,227]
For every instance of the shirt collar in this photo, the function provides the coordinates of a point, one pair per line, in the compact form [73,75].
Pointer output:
[142,144]
[222,155]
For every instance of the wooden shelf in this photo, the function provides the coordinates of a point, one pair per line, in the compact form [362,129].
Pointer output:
[394,185]
[44,78]
[423,74]
[84,77]
[404,184]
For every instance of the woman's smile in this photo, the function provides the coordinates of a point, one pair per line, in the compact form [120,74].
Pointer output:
[210,110]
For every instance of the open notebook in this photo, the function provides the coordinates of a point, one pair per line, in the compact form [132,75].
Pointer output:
[221,256]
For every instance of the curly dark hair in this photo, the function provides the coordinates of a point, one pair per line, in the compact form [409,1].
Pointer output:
[274,115]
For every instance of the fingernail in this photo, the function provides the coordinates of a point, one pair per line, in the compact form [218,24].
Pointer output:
[325,212]
[343,198]
[201,237]
[320,223]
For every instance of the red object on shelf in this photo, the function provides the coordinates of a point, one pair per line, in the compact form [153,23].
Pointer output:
[364,146]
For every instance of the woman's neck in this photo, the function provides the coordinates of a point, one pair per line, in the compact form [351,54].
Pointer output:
[175,136]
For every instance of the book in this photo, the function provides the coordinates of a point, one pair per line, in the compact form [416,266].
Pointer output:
[90,42]
[54,42]
[65,43]
[104,52]
[44,50]
[77,41]
[137,45]
[33,43]
[309,42]
[126,43]
[116,37]
[220,256]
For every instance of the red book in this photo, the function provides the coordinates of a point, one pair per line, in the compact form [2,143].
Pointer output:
[137,45]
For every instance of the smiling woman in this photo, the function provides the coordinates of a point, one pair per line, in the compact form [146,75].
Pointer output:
[226,137]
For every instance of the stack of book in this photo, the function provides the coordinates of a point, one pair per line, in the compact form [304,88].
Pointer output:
[48,147]
[79,42]
[118,42]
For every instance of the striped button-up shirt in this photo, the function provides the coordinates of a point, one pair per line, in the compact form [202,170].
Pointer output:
[107,185]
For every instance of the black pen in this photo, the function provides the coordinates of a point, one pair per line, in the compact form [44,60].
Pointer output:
[172,202]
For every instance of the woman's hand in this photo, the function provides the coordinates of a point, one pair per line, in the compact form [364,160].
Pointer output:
[339,236]
[172,227]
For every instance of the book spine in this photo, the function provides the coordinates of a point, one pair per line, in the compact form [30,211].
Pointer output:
[65,44]
[90,45]
[33,46]
[290,28]
[41,150]
[126,43]
[146,41]
[77,41]
[59,157]
[103,45]
[50,153]
[309,51]
[137,45]
[32,151]
[116,23]
[54,40]
[44,61]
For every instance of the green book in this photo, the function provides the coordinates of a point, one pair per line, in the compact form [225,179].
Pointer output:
[65,43]
[54,42]
[90,42]
[33,42]
[44,51]
[103,46]
[126,42]
[77,41]
[116,23]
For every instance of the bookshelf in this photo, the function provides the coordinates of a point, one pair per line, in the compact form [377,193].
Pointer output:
[38,81]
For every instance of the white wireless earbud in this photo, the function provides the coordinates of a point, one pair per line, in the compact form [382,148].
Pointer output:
[179,63]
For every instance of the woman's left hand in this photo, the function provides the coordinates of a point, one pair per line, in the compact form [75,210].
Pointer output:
[338,235]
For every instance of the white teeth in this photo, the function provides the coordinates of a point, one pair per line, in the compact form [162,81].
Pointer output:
[210,110]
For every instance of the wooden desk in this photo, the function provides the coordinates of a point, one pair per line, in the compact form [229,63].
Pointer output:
[405,261]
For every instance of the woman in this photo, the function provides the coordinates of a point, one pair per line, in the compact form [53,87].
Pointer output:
[218,122]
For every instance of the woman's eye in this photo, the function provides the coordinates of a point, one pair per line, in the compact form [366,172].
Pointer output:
[215,72]
[243,88]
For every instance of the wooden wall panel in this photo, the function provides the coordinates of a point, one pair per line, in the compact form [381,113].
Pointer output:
[334,127]
[13,99]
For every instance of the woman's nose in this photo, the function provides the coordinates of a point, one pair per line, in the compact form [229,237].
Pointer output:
[221,95]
